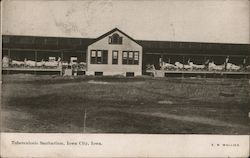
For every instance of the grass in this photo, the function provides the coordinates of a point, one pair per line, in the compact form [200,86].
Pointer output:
[125,105]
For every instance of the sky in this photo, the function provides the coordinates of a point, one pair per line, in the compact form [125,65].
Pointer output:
[223,21]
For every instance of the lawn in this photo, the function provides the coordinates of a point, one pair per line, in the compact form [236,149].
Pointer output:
[125,105]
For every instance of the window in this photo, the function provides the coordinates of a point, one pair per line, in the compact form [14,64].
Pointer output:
[51,41]
[26,40]
[6,39]
[209,46]
[130,74]
[130,57]
[99,57]
[185,45]
[98,73]
[40,41]
[125,57]
[136,58]
[93,57]
[115,39]
[175,44]
[74,41]
[194,45]
[115,57]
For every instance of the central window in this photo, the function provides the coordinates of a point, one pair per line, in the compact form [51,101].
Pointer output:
[130,57]
[115,39]
[115,57]
[99,57]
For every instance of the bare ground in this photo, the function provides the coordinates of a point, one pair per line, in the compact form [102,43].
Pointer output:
[125,105]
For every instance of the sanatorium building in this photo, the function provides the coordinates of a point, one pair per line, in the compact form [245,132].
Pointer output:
[116,53]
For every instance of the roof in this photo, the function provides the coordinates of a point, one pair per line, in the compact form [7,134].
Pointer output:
[149,47]
[110,32]
[39,42]
[176,47]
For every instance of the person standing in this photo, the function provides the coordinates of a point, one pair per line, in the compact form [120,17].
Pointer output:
[207,63]
[227,60]
[244,63]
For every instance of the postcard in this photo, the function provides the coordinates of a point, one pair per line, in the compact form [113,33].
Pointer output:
[129,78]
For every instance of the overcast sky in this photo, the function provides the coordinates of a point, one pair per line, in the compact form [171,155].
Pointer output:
[224,21]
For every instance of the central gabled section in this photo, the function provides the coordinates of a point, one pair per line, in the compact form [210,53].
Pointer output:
[114,53]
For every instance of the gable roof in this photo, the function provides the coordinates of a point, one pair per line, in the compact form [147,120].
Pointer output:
[110,32]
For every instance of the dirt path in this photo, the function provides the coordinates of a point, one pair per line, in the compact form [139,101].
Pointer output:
[201,120]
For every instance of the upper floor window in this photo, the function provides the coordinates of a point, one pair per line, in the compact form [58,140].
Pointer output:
[115,39]
[99,57]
